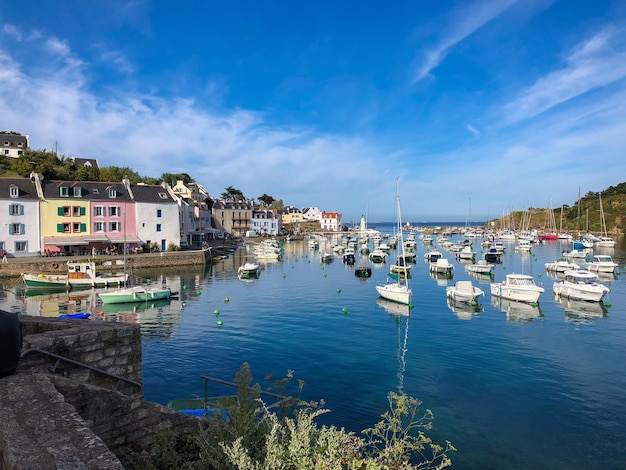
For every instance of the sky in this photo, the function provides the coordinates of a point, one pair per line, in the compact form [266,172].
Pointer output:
[470,108]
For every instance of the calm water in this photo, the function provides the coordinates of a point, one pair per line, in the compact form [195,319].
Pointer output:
[511,386]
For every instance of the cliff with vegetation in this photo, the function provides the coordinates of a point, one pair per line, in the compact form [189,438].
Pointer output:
[582,215]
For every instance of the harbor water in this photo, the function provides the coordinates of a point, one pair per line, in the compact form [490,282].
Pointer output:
[510,385]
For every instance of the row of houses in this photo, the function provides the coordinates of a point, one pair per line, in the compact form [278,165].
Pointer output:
[86,217]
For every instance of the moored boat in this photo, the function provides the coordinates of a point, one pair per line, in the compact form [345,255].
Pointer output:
[79,274]
[518,287]
[580,285]
[135,294]
[464,291]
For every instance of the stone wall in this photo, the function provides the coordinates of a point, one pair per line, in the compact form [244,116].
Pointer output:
[111,347]
[76,419]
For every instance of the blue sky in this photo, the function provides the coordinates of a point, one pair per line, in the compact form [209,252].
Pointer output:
[476,107]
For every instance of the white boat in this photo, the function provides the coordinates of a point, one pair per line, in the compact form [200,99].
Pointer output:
[463,291]
[481,267]
[327,257]
[249,269]
[561,265]
[518,287]
[135,294]
[442,265]
[466,253]
[602,264]
[568,254]
[432,255]
[378,256]
[398,291]
[604,240]
[81,274]
[523,245]
[580,285]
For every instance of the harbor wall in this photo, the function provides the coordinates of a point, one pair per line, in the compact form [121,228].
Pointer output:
[77,418]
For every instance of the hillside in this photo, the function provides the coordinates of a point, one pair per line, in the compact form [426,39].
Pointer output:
[572,219]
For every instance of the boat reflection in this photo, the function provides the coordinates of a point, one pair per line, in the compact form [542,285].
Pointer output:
[394,308]
[481,278]
[517,311]
[441,278]
[580,311]
[134,307]
[464,310]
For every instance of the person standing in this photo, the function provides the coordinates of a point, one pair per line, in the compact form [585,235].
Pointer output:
[4,256]
[10,342]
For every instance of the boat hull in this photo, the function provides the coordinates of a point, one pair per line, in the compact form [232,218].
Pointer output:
[395,292]
[134,295]
[47,281]
[517,293]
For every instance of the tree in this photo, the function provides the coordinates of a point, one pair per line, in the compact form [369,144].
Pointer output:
[266,199]
[172,178]
[233,194]
[117,174]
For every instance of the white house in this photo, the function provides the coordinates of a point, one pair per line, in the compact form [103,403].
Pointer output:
[19,223]
[156,215]
[266,223]
[13,145]
[331,221]
[312,214]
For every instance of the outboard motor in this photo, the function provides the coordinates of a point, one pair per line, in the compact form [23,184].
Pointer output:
[10,342]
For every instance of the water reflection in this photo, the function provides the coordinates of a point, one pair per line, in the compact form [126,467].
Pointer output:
[580,311]
[517,311]
[464,310]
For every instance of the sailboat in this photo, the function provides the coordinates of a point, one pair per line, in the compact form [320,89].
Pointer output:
[604,239]
[549,232]
[398,291]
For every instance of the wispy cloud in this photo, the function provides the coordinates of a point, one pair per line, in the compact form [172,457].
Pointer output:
[58,47]
[473,130]
[592,64]
[463,22]
[13,31]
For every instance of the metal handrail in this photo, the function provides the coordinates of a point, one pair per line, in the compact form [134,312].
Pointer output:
[79,364]
[206,379]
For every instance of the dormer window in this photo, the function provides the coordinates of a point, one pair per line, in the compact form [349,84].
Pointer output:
[78,191]
[64,191]
[112,193]
[7,143]
[19,144]
[163,195]
[14,191]
[95,191]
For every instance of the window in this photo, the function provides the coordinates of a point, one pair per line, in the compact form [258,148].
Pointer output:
[14,191]
[78,191]
[163,195]
[158,227]
[159,213]
[98,226]
[66,228]
[19,152]
[64,191]
[114,227]
[76,211]
[6,152]
[98,211]
[16,209]
[21,246]
[64,211]
[114,211]
[95,190]
[76,227]
[112,193]
[16,229]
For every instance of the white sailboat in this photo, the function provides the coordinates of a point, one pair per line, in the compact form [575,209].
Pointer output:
[398,291]
[604,241]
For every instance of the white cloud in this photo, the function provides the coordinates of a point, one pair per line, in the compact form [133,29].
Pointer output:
[464,22]
[473,130]
[592,64]
[58,47]
[12,30]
